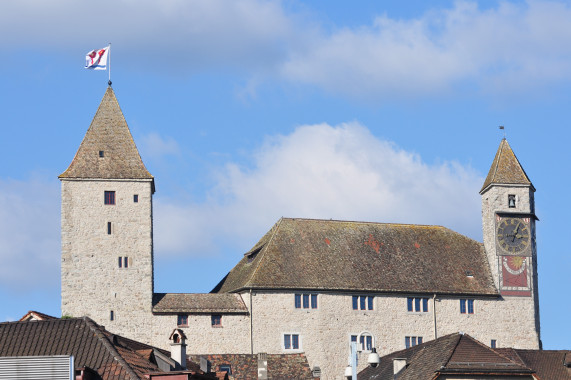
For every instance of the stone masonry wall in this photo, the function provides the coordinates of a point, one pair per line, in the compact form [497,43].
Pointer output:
[92,282]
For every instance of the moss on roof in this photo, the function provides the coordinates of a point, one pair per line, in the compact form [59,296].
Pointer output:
[506,169]
[359,256]
[107,150]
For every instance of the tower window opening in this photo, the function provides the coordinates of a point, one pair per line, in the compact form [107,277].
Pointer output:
[101,154]
[120,262]
[493,343]
[108,228]
[511,201]
[109,198]
[135,198]
[126,262]
[111,316]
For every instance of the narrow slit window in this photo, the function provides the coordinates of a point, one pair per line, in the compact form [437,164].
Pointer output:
[493,343]
[101,154]
[306,301]
[126,262]
[120,262]
[135,198]
[111,316]
[108,228]
[314,301]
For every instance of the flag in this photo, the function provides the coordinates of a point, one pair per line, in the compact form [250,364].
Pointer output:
[97,59]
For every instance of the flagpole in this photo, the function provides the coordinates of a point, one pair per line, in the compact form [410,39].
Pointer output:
[109,63]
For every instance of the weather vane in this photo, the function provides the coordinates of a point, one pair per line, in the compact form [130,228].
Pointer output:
[503,129]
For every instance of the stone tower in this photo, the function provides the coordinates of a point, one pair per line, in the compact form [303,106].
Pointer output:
[107,227]
[508,221]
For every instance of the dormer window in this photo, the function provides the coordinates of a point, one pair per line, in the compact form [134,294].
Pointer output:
[511,201]
[101,154]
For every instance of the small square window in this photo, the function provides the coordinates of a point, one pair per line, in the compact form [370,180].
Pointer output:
[101,154]
[182,320]
[466,306]
[135,198]
[216,320]
[109,198]
[511,201]
[291,342]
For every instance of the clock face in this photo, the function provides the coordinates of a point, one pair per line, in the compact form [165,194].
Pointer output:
[513,235]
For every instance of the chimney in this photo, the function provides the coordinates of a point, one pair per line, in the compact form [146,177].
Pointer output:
[262,365]
[178,348]
[398,365]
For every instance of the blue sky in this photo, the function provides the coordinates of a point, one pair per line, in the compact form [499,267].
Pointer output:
[251,110]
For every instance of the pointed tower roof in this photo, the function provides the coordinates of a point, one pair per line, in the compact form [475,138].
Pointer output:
[506,169]
[107,150]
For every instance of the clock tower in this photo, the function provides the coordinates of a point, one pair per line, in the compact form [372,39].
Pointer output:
[508,221]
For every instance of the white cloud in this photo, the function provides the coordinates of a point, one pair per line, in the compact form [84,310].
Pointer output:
[29,234]
[320,171]
[509,47]
[155,146]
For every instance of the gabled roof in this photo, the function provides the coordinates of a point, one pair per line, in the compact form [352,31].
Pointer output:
[366,257]
[456,354]
[113,357]
[547,364]
[35,316]
[245,366]
[197,303]
[506,169]
[108,133]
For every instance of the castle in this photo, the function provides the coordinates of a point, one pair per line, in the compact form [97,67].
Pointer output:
[309,286]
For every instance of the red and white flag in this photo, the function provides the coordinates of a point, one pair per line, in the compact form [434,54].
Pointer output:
[97,59]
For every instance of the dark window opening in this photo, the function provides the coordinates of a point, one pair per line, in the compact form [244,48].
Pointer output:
[111,316]
[108,228]
[109,198]
[469,308]
[182,320]
[411,341]
[120,262]
[216,320]
[417,304]
[101,154]
[493,343]
[511,201]
[362,303]
[225,368]
[136,198]
[126,262]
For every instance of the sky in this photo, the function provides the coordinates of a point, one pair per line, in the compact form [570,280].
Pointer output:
[247,111]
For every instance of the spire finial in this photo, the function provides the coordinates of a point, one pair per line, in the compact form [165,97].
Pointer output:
[109,83]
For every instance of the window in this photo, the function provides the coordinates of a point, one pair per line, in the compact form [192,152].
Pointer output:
[109,197]
[493,343]
[216,320]
[126,262]
[511,201]
[411,341]
[101,154]
[291,342]
[111,316]
[120,262]
[182,320]
[362,303]
[469,308]
[108,228]
[305,301]
[365,342]
[225,368]
[416,304]
[136,198]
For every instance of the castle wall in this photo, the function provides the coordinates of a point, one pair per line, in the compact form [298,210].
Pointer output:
[92,282]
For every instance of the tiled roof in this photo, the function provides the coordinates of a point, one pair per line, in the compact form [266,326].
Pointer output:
[547,364]
[245,366]
[108,133]
[506,169]
[198,303]
[450,354]
[111,356]
[358,256]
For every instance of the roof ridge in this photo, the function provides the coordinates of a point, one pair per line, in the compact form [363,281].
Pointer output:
[364,222]
[263,250]
[110,347]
